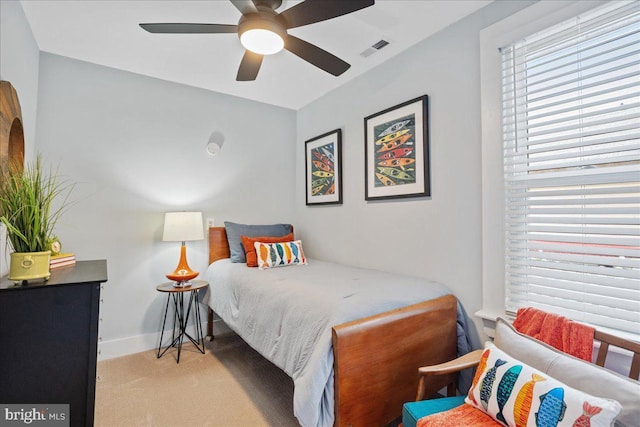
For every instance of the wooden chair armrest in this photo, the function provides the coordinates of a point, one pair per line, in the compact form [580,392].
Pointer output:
[469,360]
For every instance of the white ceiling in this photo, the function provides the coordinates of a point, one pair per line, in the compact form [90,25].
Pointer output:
[106,32]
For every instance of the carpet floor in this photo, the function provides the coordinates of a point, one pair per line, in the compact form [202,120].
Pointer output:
[230,385]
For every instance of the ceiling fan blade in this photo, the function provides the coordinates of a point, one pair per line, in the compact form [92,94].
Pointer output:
[311,11]
[316,56]
[167,28]
[249,66]
[245,6]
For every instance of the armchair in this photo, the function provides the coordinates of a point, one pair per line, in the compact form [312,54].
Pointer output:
[413,411]
[582,376]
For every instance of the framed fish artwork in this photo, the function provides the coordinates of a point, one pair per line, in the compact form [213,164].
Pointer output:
[323,169]
[397,151]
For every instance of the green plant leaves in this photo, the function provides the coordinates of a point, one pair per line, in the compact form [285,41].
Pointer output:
[26,200]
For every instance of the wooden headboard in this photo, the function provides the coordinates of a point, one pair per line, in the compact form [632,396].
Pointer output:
[218,244]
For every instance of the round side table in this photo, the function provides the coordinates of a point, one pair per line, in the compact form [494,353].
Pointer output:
[180,318]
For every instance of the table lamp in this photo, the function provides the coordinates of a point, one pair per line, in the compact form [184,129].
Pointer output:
[181,227]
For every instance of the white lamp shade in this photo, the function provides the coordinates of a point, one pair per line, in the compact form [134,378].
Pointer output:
[182,226]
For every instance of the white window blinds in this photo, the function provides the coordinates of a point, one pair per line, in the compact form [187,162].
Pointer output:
[571,130]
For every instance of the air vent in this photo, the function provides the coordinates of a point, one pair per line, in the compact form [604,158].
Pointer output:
[380,44]
[375,47]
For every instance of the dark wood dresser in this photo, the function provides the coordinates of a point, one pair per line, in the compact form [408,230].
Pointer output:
[49,339]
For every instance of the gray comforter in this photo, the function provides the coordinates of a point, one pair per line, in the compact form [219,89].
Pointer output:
[287,313]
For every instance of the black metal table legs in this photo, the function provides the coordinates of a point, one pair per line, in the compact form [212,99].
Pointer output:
[180,320]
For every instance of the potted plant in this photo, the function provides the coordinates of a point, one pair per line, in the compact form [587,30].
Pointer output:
[27,210]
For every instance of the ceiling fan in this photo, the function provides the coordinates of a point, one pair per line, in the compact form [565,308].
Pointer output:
[263,31]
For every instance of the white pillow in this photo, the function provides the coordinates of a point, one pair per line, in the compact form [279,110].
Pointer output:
[572,371]
[516,394]
[279,254]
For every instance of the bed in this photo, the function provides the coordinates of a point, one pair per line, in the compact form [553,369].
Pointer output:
[353,355]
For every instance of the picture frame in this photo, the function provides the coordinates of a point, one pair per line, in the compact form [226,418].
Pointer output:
[397,151]
[323,169]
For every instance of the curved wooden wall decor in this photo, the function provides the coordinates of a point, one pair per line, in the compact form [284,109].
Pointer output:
[11,130]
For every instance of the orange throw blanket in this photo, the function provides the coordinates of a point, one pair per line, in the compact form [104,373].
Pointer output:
[559,332]
[463,415]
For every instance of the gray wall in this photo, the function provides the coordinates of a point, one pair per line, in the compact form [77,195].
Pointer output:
[438,237]
[135,146]
[19,56]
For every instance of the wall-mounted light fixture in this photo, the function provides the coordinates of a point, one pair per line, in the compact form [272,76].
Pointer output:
[215,143]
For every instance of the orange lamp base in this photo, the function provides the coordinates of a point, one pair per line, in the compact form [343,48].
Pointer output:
[182,273]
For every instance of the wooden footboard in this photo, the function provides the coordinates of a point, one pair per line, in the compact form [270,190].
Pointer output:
[376,359]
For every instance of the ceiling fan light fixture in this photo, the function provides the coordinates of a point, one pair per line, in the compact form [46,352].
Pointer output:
[262,41]
[262,33]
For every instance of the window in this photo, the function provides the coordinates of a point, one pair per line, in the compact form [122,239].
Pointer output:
[571,135]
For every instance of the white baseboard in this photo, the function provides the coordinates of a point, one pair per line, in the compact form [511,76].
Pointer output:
[129,345]
[138,343]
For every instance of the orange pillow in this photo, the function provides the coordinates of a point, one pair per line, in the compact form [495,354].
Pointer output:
[250,250]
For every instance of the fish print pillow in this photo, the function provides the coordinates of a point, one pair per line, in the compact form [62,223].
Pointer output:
[518,395]
[279,254]
[250,250]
